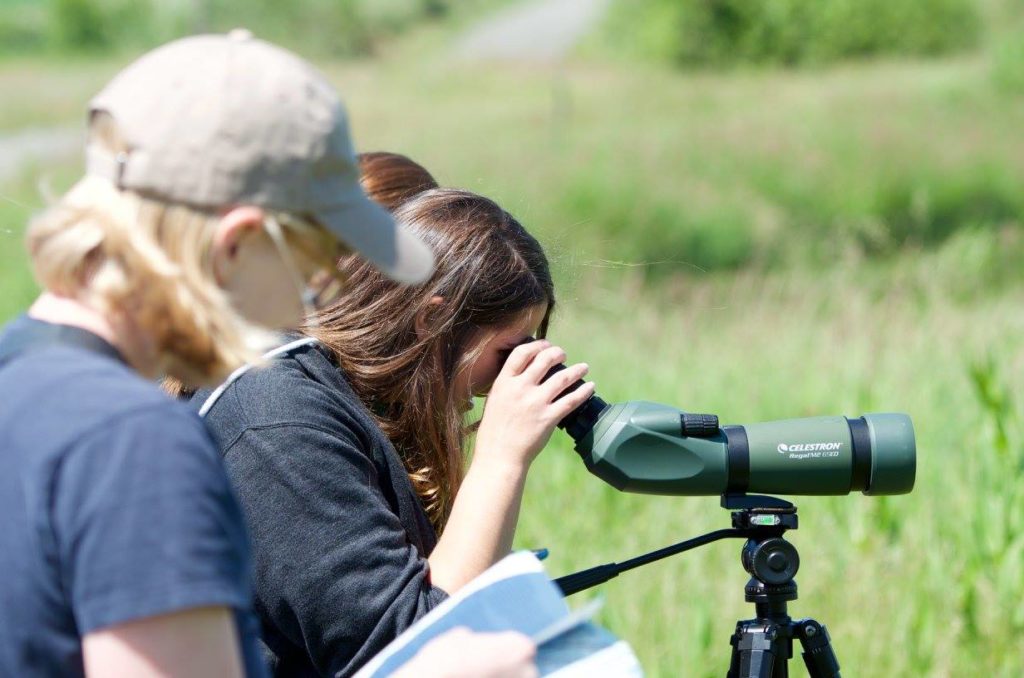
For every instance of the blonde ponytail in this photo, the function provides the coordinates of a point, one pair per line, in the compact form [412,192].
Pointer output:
[121,253]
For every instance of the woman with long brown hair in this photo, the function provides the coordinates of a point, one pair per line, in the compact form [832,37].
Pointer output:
[348,453]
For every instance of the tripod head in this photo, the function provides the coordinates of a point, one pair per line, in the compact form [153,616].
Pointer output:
[761,647]
[771,560]
[755,517]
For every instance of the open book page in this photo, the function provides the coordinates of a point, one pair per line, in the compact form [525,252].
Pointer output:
[516,594]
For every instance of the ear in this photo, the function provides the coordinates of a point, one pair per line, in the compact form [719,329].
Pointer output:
[423,315]
[234,226]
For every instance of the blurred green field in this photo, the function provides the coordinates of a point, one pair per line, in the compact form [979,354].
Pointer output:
[759,244]
[349,28]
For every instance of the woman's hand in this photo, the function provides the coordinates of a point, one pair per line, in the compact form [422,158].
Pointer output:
[521,411]
[460,653]
[519,416]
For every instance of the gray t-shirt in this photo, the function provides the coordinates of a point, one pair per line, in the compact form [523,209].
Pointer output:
[340,540]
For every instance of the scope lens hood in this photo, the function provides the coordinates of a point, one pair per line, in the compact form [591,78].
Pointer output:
[894,454]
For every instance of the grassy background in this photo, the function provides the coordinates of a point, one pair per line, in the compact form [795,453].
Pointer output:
[761,244]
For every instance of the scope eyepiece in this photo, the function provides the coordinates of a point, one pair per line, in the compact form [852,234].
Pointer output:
[580,421]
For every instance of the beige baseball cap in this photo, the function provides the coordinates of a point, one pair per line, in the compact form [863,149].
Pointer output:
[220,120]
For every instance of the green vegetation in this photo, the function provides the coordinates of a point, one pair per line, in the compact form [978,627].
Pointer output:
[675,172]
[762,244]
[728,32]
[709,173]
[1008,70]
[325,27]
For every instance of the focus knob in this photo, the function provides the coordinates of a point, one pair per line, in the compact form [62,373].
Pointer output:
[699,425]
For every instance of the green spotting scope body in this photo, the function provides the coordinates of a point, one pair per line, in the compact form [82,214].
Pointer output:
[641,447]
[644,447]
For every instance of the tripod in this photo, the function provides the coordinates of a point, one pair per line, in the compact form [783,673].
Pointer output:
[763,646]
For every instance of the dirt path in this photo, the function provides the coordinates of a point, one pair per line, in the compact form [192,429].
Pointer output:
[36,145]
[536,31]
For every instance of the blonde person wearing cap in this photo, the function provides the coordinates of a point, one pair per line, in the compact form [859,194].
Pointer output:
[220,183]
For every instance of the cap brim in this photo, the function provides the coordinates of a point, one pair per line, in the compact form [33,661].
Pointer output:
[371,231]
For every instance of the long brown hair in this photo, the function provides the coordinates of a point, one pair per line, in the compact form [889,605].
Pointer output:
[401,352]
[391,179]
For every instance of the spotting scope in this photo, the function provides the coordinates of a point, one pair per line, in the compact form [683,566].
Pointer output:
[649,448]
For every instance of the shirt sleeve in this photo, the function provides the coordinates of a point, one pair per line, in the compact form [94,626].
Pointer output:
[334,570]
[145,522]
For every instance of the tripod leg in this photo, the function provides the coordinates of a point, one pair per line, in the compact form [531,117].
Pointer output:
[819,657]
[754,651]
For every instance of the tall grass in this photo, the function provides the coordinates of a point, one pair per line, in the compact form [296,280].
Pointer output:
[928,584]
[680,172]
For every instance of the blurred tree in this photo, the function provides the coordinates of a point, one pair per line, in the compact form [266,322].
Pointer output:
[79,24]
[724,32]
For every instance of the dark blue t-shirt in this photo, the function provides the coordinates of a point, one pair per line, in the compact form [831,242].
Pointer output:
[114,504]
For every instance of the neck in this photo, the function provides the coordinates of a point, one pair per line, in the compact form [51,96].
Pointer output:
[60,310]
